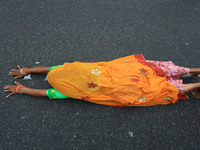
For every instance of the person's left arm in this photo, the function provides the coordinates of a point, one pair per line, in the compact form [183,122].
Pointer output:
[19,88]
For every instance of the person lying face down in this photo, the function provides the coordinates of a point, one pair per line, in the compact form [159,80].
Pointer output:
[126,81]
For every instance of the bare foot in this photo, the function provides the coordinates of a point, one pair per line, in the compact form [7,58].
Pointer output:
[194,74]
[196,94]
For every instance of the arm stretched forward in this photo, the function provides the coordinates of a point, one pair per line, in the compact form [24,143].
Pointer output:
[18,88]
[19,73]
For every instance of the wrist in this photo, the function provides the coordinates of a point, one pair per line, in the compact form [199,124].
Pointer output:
[19,89]
[23,71]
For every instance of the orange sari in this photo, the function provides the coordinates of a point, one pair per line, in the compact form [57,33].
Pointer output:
[127,81]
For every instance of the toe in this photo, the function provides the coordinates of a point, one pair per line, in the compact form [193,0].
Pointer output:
[194,94]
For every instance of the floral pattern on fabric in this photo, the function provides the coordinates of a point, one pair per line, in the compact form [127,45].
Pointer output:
[172,73]
[167,98]
[85,98]
[95,71]
[126,61]
[170,69]
[134,80]
[142,99]
[142,60]
[92,85]
[144,72]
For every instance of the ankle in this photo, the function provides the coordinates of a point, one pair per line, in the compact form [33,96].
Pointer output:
[195,70]
[198,85]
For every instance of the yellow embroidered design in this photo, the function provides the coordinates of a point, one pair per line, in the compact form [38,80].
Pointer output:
[95,71]
[167,98]
[142,99]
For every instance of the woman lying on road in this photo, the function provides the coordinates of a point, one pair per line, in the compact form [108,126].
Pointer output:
[127,81]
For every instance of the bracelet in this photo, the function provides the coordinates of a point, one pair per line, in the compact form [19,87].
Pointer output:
[18,88]
[22,72]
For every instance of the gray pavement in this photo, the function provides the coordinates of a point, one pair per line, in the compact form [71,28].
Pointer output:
[56,31]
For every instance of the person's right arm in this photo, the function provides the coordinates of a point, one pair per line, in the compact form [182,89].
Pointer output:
[24,71]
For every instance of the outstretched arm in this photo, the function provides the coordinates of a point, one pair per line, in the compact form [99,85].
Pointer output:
[21,72]
[40,69]
[34,92]
[18,88]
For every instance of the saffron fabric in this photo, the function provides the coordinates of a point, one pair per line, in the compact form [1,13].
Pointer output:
[127,81]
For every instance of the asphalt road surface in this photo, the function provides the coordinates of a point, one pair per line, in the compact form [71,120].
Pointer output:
[51,32]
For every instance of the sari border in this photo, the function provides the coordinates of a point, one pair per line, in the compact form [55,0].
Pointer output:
[140,59]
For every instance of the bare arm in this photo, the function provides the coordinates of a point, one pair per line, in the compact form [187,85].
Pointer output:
[40,69]
[24,90]
[34,92]
[18,74]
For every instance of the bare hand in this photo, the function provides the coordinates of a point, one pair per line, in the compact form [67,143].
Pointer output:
[12,89]
[15,72]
